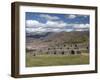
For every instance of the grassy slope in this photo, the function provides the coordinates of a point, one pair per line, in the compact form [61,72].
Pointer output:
[49,60]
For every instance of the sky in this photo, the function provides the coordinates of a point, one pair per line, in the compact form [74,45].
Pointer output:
[50,22]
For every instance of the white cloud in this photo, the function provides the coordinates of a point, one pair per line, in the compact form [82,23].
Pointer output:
[33,24]
[54,26]
[81,29]
[39,29]
[72,16]
[81,26]
[85,16]
[68,30]
[48,24]
[48,17]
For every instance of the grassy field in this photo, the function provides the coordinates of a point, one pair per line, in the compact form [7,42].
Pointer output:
[54,60]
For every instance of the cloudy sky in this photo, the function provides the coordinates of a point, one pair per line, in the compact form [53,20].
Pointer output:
[47,22]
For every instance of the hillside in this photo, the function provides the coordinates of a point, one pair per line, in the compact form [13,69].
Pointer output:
[54,39]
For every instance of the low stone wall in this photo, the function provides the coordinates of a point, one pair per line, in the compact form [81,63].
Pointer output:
[61,50]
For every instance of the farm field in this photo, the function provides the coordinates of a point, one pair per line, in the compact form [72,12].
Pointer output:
[56,60]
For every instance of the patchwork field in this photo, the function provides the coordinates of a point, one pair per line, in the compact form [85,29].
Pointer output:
[55,60]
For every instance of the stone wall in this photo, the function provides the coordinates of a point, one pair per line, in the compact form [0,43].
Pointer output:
[71,49]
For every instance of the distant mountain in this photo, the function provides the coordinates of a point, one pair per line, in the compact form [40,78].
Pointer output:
[75,36]
[57,38]
[38,35]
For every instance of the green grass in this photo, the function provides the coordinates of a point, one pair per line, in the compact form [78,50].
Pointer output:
[54,60]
